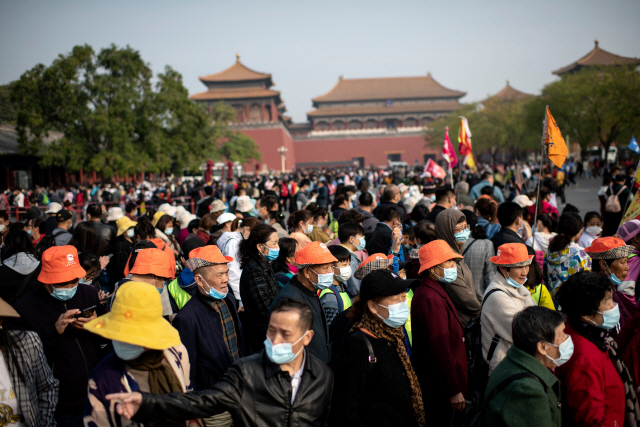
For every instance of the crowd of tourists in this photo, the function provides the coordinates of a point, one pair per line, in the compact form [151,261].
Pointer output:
[325,298]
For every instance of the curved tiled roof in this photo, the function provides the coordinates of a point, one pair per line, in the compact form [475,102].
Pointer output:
[239,93]
[598,56]
[511,94]
[356,110]
[387,88]
[237,72]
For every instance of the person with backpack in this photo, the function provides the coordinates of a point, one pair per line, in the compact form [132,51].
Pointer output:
[523,392]
[20,268]
[439,355]
[61,235]
[504,298]
[375,383]
[614,207]
[335,299]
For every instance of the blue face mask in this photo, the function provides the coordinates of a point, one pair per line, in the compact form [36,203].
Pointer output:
[513,283]
[272,255]
[521,228]
[450,275]
[566,351]
[398,314]
[614,279]
[213,293]
[29,232]
[254,213]
[282,353]
[611,318]
[362,244]
[84,281]
[432,198]
[168,231]
[324,280]
[463,235]
[63,294]
[126,351]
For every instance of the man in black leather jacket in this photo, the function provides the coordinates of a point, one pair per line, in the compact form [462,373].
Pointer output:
[105,234]
[283,385]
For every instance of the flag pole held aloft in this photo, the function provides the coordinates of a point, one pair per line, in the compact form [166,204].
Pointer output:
[556,147]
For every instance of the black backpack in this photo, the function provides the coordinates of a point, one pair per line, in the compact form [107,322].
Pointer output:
[142,244]
[47,241]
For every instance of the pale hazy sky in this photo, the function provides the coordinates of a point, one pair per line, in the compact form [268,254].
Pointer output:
[473,46]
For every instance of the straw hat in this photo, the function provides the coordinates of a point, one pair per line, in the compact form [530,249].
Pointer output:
[512,255]
[136,318]
[434,253]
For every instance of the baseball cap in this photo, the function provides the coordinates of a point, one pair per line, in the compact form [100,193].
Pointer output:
[155,261]
[314,253]
[63,215]
[60,264]
[382,283]
[206,256]
[226,217]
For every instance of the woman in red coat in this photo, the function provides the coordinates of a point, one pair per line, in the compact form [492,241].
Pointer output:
[594,379]
[438,353]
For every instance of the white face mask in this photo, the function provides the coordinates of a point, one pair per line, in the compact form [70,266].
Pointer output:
[344,274]
[593,230]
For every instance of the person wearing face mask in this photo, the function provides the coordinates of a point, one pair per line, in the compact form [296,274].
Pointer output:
[300,226]
[335,299]
[147,356]
[258,283]
[320,222]
[387,392]
[451,226]
[391,198]
[545,227]
[208,324]
[592,229]
[610,258]
[282,385]
[126,237]
[504,298]
[477,251]
[511,225]
[523,392]
[596,386]
[445,199]
[438,354]
[315,273]
[52,311]
[351,235]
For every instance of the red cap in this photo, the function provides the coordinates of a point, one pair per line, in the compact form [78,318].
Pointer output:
[60,264]
[315,253]
[155,261]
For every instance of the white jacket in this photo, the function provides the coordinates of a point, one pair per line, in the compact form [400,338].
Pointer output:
[228,244]
[497,315]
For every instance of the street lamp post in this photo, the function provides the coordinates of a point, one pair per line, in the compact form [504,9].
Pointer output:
[283,153]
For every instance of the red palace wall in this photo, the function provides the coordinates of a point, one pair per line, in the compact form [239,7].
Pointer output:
[269,140]
[373,149]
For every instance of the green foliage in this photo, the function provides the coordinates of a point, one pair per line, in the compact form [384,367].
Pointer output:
[593,105]
[113,119]
[8,109]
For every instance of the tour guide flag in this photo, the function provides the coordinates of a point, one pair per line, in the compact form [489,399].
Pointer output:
[434,169]
[556,147]
[633,145]
[470,161]
[633,210]
[448,152]
[464,137]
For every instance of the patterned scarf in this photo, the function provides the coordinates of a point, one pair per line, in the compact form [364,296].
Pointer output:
[228,328]
[603,341]
[162,379]
[396,336]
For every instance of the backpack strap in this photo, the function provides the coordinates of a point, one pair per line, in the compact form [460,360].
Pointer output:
[371,358]
[470,244]
[496,338]
[335,290]
[621,190]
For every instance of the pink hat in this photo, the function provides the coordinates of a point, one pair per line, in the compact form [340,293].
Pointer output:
[629,230]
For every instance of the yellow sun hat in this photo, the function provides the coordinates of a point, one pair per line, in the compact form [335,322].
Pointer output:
[136,318]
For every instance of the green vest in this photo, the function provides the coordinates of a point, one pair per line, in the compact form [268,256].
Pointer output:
[346,300]
[537,294]
[179,295]
[407,325]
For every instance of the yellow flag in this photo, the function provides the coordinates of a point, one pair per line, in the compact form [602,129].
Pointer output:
[633,210]
[556,146]
[470,161]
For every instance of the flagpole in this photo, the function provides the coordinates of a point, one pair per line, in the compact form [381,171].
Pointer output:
[542,142]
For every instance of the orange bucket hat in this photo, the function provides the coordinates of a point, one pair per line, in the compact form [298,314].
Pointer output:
[155,261]
[315,253]
[608,248]
[373,263]
[512,255]
[434,253]
[60,264]
[206,256]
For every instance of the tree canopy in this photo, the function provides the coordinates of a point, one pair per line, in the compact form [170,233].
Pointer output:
[115,121]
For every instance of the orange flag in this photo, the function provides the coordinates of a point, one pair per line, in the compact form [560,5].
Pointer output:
[556,147]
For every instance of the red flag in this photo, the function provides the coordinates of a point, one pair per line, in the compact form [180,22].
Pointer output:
[434,169]
[448,152]
[464,137]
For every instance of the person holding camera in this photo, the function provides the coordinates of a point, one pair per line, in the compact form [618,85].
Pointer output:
[57,311]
